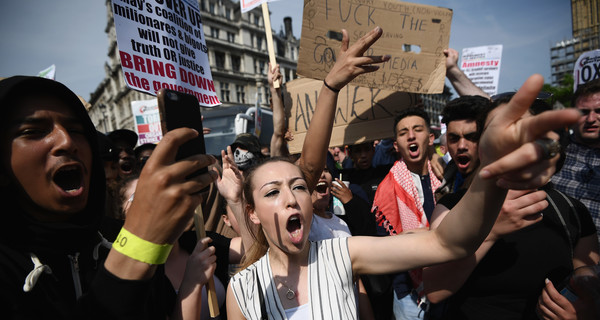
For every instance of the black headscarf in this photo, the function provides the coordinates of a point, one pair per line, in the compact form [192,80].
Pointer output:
[18,228]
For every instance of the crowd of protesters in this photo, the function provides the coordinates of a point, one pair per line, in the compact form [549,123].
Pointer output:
[494,227]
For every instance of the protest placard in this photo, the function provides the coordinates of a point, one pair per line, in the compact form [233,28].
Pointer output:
[162,45]
[414,35]
[587,68]
[147,121]
[362,114]
[482,66]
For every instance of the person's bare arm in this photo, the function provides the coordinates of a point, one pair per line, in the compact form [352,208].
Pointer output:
[233,309]
[508,156]
[586,252]
[278,143]
[459,80]
[350,63]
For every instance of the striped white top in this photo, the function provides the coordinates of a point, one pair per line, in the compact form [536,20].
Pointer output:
[331,290]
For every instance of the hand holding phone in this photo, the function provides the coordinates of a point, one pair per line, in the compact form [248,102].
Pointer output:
[178,109]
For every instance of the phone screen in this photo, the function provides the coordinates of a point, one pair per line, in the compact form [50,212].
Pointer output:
[177,110]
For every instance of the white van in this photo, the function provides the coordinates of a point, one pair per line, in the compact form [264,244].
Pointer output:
[226,123]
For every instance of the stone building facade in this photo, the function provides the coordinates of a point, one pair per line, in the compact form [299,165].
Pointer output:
[238,57]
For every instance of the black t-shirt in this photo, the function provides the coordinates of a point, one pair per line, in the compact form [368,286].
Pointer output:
[368,179]
[507,282]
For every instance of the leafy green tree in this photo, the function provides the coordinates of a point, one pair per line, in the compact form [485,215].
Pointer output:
[563,92]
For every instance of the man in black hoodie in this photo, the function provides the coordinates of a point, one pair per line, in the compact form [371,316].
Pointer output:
[52,187]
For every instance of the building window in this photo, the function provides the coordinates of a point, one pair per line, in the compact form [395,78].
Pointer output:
[236,61]
[214,32]
[225,91]
[254,63]
[287,74]
[252,40]
[257,20]
[219,59]
[230,37]
[211,8]
[267,94]
[228,14]
[258,42]
[261,64]
[241,96]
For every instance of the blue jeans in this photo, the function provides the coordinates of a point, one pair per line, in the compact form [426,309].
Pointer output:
[406,308]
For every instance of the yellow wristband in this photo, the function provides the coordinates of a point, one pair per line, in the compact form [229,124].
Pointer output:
[142,250]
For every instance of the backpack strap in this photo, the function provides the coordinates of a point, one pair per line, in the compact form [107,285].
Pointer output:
[562,221]
[561,216]
[575,214]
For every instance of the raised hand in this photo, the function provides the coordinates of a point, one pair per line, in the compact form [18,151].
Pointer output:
[451,58]
[230,184]
[350,61]
[459,80]
[274,74]
[507,149]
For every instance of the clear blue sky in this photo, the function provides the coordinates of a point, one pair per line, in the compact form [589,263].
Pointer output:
[70,34]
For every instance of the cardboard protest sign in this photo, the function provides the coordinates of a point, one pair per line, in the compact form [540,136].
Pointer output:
[362,114]
[147,121]
[414,35]
[162,45]
[482,66]
[587,68]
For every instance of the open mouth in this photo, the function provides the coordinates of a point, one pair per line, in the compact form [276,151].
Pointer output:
[413,147]
[69,179]
[126,166]
[321,187]
[294,227]
[462,160]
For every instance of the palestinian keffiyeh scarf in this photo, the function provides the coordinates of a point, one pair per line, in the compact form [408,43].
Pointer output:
[398,207]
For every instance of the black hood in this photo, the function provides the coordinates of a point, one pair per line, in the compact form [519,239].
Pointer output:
[17,228]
